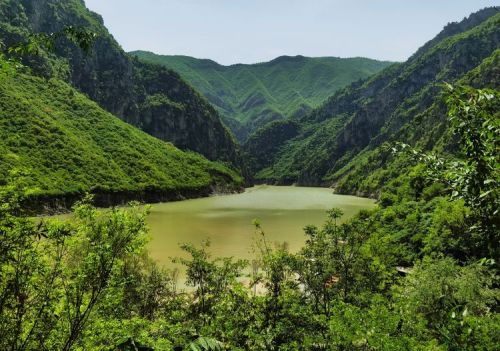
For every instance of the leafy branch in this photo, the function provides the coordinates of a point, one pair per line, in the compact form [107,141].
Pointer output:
[38,42]
[474,177]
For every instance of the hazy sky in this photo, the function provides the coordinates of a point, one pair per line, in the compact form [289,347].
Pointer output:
[248,31]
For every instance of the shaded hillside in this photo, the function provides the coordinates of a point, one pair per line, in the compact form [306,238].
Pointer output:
[150,97]
[249,96]
[68,145]
[262,147]
[366,114]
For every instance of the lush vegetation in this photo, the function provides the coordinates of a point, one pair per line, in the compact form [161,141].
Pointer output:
[417,273]
[249,96]
[150,97]
[336,142]
[69,146]
[373,167]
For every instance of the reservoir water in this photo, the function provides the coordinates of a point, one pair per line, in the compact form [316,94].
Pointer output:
[226,220]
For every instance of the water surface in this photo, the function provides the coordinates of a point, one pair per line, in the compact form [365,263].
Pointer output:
[227,220]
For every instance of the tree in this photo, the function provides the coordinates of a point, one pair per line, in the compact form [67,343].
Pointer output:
[11,57]
[474,177]
[53,274]
[210,278]
[450,303]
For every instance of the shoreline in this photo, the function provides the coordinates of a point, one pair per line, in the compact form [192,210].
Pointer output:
[46,205]
[357,193]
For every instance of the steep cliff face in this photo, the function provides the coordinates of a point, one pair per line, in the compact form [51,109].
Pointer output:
[249,96]
[150,97]
[366,114]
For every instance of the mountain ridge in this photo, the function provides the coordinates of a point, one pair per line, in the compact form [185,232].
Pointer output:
[250,95]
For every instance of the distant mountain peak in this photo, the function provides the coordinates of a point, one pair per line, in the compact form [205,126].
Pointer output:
[287,58]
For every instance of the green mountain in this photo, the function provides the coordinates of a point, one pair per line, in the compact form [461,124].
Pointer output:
[68,145]
[249,96]
[417,272]
[148,96]
[345,141]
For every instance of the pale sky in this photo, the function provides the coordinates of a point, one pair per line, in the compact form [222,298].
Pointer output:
[249,31]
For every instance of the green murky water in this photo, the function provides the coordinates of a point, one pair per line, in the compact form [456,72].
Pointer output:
[227,220]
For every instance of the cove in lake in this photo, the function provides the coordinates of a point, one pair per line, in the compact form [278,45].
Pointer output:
[226,220]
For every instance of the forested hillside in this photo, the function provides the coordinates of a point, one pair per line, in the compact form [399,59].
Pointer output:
[251,95]
[66,146]
[148,96]
[401,103]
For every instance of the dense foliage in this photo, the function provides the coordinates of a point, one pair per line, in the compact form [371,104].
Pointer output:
[249,96]
[419,272]
[259,155]
[429,130]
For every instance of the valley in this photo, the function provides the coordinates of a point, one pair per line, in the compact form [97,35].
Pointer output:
[350,203]
[339,141]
